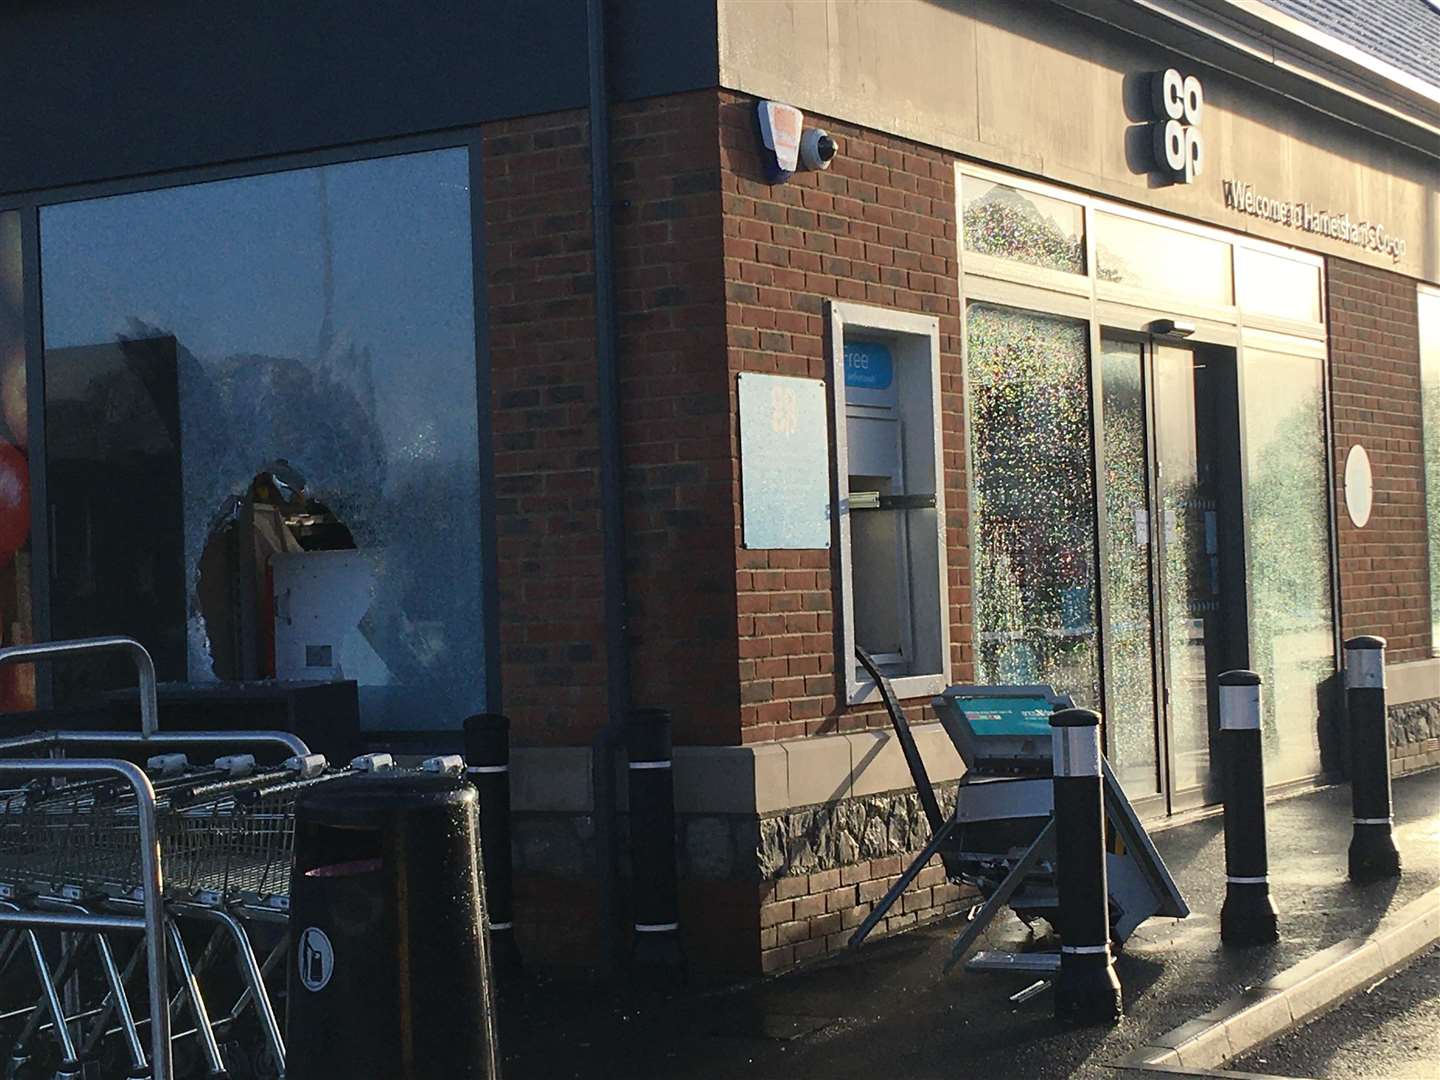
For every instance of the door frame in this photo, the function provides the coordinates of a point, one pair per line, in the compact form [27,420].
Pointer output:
[1234,593]
[1110,308]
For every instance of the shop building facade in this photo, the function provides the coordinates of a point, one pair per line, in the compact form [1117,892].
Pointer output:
[1001,395]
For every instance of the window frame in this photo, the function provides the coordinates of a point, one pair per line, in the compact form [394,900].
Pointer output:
[883,322]
[1432,539]
[30,204]
[1042,287]
[1105,306]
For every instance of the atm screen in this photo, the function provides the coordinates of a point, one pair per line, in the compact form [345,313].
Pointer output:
[1029,716]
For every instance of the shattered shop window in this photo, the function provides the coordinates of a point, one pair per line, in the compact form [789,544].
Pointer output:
[17,681]
[261,437]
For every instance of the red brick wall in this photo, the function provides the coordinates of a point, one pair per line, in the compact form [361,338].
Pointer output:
[710,260]
[878,227]
[676,455]
[810,915]
[1375,394]
[676,414]
[539,279]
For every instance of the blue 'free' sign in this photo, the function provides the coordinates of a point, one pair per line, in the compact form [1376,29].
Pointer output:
[868,365]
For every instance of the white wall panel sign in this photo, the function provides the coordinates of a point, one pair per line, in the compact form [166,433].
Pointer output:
[784,462]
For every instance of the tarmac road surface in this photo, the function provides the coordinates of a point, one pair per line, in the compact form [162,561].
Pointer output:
[888,1010]
[1391,1031]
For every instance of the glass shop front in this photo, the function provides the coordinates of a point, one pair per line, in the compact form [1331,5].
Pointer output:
[1149,491]
[260,433]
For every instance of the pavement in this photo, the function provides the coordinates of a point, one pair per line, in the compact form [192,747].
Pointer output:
[887,1009]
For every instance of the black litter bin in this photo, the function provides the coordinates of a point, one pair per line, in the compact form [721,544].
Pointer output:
[389,975]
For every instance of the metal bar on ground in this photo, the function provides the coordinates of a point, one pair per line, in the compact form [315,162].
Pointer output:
[989,960]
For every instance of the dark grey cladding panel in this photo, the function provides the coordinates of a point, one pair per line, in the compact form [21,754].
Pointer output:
[99,89]
[663,46]
[1405,33]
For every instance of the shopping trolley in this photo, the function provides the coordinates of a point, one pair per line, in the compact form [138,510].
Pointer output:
[147,866]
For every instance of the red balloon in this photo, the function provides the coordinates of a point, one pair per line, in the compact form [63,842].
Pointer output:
[14,501]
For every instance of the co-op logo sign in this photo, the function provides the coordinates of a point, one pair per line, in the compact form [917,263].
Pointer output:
[1177,103]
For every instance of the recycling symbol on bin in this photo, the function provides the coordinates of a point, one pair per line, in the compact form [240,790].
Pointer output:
[317,959]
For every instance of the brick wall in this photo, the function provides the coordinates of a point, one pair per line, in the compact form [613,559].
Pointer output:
[675,429]
[676,414]
[878,227]
[1375,394]
[718,272]
[809,915]
[539,280]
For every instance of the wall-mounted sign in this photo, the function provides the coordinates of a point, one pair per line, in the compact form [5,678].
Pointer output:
[1177,102]
[780,130]
[869,365]
[870,373]
[784,462]
[1359,486]
[1243,199]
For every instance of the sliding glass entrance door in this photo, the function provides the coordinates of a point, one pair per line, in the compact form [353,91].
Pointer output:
[1170,456]
[1188,546]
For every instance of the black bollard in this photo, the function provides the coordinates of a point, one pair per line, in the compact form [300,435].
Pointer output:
[656,901]
[487,761]
[1087,990]
[1248,916]
[1372,845]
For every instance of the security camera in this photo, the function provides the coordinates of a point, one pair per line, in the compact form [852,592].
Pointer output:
[817,149]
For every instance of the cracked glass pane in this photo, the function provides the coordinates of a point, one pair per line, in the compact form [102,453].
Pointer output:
[1130,706]
[288,361]
[1031,228]
[17,681]
[1033,501]
[1287,518]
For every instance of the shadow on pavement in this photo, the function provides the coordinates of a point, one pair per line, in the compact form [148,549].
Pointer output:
[887,1009]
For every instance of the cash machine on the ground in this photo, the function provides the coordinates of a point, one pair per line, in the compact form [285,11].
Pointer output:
[1000,835]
